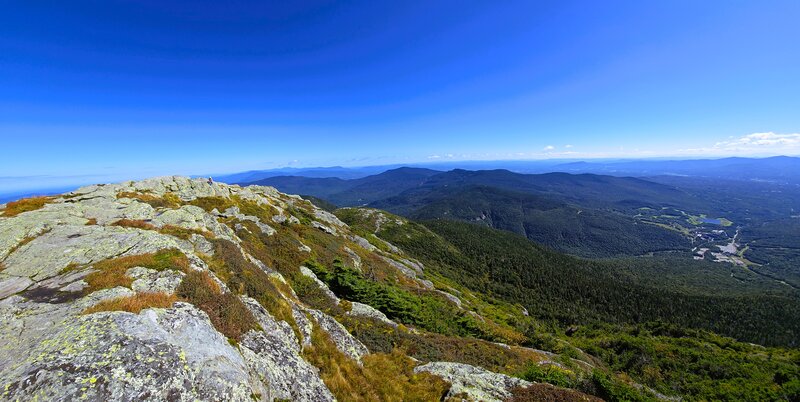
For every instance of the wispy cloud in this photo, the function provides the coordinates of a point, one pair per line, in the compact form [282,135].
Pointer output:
[761,140]
[445,156]
[549,148]
[754,144]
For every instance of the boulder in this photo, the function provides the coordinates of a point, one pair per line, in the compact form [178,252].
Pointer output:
[474,382]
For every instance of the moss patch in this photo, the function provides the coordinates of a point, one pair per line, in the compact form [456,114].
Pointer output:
[211,203]
[168,200]
[183,233]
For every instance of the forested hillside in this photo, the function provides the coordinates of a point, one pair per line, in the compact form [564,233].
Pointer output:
[638,328]
[576,230]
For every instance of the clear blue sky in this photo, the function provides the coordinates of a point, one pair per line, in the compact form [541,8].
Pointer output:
[137,88]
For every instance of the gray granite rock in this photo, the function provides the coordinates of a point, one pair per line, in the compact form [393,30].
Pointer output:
[474,382]
[346,343]
[367,311]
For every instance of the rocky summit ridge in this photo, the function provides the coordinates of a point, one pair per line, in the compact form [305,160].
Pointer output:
[184,289]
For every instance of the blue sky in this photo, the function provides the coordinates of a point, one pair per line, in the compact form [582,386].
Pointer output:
[130,89]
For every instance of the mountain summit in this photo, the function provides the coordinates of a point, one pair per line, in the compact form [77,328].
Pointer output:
[184,289]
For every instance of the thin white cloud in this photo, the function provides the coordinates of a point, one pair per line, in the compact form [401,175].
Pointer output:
[568,146]
[761,140]
[549,148]
[768,143]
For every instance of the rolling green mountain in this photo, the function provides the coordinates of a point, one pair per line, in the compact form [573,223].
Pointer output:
[583,189]
[509,266]
[564,227]
[587,190]
[353,192]
[579,214]
[653,329]
[747,223]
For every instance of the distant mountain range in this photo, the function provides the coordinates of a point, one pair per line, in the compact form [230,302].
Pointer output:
[779,169]
[586,214]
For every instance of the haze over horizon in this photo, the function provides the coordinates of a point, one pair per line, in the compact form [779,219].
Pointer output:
[124,90]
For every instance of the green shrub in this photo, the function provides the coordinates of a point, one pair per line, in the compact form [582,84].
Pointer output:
[612,389]
[427,310]
[550,374]
[426,347]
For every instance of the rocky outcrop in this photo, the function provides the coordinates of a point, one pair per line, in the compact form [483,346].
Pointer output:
[364,310]
[345,342]
[274,354]
[50,350]
[309,273]
[474,382]
[150,280]
[159,354]
[53,348]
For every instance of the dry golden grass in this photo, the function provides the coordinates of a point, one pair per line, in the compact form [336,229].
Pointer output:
[243,277]
[227,313]
[107,278]
[134,304]
[2,267]
[92,221]
[549,393]
[131,223]
[342,375]
[183,233]
[211,203]
[111,273]
[392,375]
[383,377]
[379,337]
[15,208]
